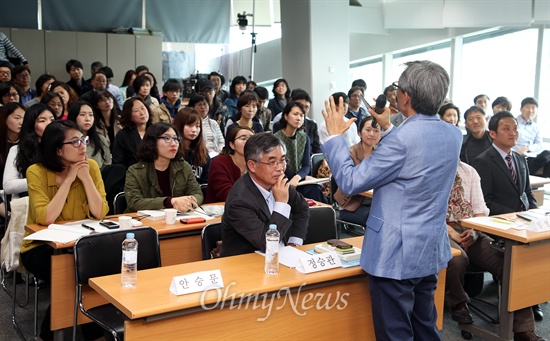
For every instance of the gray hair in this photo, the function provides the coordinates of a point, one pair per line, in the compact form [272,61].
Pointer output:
[260,144]
[427,84]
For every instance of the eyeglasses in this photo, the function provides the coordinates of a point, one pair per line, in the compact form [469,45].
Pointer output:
[396,86]
[355,96]
[85,140]
[168,139]
[273,164]
[11,94]
[5,73]
[23,75]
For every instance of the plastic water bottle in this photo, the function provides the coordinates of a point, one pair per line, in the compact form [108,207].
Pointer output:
[128,276]
[272,250]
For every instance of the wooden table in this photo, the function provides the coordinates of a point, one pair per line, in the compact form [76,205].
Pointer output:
[537,184]
[252,305]
[526,275]
[179,243]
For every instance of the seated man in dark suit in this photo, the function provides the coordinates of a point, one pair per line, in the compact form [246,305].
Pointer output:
[262,197]
[504,173]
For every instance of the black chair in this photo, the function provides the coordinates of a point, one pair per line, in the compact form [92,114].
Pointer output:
[322,224]
[100,254]
[210,235]
[316,160]
[348,226]
[119,203]
[204,187]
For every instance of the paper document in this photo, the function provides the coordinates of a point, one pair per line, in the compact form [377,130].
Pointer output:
[498,223]
[65,233]
[288,256]
[211,210]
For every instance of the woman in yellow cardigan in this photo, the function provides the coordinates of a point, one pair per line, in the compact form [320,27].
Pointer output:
[65,185]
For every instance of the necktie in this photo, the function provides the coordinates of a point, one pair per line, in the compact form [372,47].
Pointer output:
[511,169]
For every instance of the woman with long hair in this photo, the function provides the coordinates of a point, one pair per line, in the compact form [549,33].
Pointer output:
[25,153]
[108,116]
[135,118]
[162,178]
[11,120]
[188,124]
[67,93]
[129,77]
[64,186]
[54,101]
[281,91]
[98,147]
[211,131]
[9,92]
[42,85]
[356,208]
[238,85]
[228,167]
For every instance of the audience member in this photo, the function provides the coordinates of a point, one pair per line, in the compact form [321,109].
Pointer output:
[530,138]
[238,85]
[64,186]
[10,92]
[169,103]
[361,83]
[107,116]
[228,167]
[354,106]
[466,201]
[155,93]
[298,152]
[115,90]
[211,132]
[135,118]
[97,146]
[350,135]
[67,93]
[482,101]
[161,179]
[55,102]
[504,173]
[42,86]
[11,119]
[129,77]
[281,91]
[98,82]
[142,69]
[449,113]
[247,106]
[7,46]
[261,197]
[94,67]
[77,83]
[26,152]
[356,208]
[501,104]
[251,85]
[142,86]
[5,72]
[219,80]
[391,94]
[264,114]
[216,111]
[21,75]
[188,123]
[478,138]
[422,154]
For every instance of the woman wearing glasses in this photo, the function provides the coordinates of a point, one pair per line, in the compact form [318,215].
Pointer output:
[64,186]
[10,92]
[162,178]
[54,101]
[68,95]
[228,167]
[98,147]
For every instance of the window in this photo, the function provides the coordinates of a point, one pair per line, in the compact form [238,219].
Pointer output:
[371,72]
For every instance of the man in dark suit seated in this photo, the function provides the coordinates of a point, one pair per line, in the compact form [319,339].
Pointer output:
[504,173]
[262,197]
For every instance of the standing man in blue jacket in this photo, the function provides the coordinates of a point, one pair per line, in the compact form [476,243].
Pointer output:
[411,172]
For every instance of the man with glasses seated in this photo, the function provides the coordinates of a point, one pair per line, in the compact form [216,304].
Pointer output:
[262,197]
[99,83]
[22,77]
[354,106]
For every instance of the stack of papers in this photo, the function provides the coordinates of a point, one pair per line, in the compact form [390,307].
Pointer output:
[65,233]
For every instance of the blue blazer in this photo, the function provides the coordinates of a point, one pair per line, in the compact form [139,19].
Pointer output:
[411,172]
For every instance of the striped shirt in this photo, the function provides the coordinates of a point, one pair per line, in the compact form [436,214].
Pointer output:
[7,46]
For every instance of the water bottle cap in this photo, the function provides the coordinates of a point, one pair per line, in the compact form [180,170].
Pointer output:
[273,226]
[130,235]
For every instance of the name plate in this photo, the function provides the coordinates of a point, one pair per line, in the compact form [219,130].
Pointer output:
[320,262]
[196,282]
[539,225]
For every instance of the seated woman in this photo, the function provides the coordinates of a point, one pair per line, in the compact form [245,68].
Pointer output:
[67,93]
[108,116]
[98,147]
[162,178]
[238,85]
[54,101]
[64,186]
[211,131]
[188,124]
[135,118]
[42,85]
[449,113]
[25,153]
[142,87]
[356,208]
[9,92]
[247,107]
[298,152]
[228,167]
[281,91]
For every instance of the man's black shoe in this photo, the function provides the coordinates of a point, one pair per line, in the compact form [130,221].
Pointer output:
[461,314]
[537,312]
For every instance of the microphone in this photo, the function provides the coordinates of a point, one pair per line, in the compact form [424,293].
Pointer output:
[379,108]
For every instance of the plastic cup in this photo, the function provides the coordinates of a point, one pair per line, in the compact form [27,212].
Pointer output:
[124,222]
[171,215]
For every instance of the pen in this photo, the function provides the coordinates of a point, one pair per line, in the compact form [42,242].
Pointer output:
[88,227]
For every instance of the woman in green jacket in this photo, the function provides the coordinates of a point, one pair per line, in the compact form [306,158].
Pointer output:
[162,178]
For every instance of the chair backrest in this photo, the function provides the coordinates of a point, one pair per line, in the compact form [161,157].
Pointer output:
[119,203]
[204,187]
[322,224]
[316,160]
[211,233]
[101,254]
[13,238]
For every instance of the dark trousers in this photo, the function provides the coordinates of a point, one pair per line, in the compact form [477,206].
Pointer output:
[404,310]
